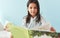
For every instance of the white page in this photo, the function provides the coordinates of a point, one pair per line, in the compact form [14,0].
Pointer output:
[45,27]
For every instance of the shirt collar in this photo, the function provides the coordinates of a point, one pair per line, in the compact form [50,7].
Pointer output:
[34,17]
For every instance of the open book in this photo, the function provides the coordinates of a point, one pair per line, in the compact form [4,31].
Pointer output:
[20,32]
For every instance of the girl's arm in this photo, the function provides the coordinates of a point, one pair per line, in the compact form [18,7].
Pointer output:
[44,22]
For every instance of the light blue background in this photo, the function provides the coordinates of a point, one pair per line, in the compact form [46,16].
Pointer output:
[15,10]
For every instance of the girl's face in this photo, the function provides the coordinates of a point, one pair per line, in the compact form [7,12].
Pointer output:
[32,8]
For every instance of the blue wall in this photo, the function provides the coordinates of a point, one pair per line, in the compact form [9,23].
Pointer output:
[15,10]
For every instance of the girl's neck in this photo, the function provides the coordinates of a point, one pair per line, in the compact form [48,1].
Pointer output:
[33,16]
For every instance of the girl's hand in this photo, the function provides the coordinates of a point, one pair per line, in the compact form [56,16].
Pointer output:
[52,29]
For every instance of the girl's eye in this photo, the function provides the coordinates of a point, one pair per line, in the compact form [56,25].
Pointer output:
[30,7]
[35,7]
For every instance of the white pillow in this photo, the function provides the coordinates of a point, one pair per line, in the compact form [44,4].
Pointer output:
[5,34]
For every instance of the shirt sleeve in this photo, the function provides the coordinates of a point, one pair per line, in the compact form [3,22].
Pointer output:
[24,22]
[45,24]
[43,21]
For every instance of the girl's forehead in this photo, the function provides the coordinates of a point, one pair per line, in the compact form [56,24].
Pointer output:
[32,4]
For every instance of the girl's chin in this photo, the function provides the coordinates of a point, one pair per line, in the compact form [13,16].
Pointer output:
[33,15]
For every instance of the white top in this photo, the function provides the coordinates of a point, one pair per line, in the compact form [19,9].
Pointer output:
[33,22]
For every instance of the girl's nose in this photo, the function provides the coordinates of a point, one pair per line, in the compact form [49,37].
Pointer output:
[33,9]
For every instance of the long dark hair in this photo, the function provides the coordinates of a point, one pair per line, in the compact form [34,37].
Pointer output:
[38,13]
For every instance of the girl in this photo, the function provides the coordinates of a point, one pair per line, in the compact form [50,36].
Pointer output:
[33,18]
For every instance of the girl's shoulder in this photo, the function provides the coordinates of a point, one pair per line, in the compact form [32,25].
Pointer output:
[41,17]
[25,17]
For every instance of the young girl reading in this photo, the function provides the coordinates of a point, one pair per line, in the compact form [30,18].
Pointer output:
[34,18]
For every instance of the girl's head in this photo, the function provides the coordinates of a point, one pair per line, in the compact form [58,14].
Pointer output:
[33,7]
[33,10]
